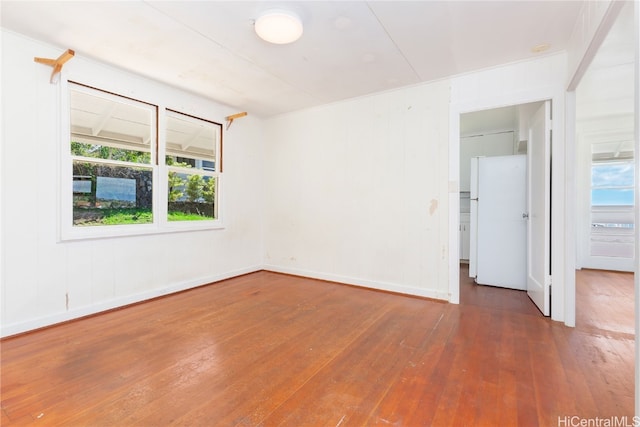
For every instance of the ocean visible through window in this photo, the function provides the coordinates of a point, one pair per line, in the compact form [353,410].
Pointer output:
[612,184]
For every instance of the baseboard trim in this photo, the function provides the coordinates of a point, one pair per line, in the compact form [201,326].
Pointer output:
[118,303]
[370,284]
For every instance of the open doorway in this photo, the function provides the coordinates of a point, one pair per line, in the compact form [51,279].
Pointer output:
[605,179]
[503,178]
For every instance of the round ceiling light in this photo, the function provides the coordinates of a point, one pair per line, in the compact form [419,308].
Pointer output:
[279,27]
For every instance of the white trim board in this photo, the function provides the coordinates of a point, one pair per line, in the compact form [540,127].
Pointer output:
[118,303]
[363,283]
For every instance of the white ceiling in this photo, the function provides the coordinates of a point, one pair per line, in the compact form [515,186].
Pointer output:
[605,95]
[348,49]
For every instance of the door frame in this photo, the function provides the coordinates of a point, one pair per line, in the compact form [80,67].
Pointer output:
[510,85]
[559,263]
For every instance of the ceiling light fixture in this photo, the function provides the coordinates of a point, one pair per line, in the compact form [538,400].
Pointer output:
[279,27]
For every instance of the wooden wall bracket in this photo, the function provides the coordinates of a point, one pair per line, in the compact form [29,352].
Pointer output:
[56,63]
[232,117]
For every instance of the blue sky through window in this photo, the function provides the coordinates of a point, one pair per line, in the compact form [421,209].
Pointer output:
[612,184]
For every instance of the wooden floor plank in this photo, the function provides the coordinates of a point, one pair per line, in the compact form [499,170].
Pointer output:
[355,381]
[302,347]
[270,349]
[602,301]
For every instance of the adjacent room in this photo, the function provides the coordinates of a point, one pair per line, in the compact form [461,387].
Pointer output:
[319,213]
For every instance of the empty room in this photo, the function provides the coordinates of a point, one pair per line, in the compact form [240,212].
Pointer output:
[326,213]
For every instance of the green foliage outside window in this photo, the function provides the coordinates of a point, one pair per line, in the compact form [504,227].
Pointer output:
[176,184]
[195,186]
[209,190]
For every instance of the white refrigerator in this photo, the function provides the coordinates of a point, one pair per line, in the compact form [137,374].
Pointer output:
[498,250]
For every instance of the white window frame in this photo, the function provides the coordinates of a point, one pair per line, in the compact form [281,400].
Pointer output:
[160,224]
[164,173]
[609,232]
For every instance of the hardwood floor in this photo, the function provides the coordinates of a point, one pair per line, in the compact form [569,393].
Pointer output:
[604,301]
[267,349]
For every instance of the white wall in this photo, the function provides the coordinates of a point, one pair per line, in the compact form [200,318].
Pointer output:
[45,281]
[357,191]
[592,26]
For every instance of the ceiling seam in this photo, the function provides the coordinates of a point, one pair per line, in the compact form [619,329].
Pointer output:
[417,75]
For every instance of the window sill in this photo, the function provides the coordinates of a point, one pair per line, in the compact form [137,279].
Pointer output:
[116,231]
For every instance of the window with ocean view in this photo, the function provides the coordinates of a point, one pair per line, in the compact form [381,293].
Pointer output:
[612,184]
[612,215]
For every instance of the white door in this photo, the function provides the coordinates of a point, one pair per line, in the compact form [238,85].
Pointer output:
[501,227]
[473,219]
[539,196]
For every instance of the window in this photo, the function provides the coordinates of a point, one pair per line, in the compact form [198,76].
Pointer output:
[127,181]
[112,145]
[192,175]
[612,184]
[612,201]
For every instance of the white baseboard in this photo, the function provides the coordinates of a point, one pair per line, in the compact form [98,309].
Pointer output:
[29,325]
[383,286]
